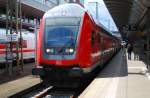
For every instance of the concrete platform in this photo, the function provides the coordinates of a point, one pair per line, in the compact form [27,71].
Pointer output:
[13,87]
[120,79]
[6,77]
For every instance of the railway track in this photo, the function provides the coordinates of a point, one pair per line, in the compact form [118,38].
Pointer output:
[43,91]
[55,92]
[39,91]
[32,89]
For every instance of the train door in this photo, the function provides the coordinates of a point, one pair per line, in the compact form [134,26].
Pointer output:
[93,47]
[28,45]
[97,46]
[102,47]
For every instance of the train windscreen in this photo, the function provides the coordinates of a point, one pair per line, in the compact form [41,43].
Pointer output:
[61,31]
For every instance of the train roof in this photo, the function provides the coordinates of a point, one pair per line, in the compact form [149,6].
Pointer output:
[74,10]
[70,9]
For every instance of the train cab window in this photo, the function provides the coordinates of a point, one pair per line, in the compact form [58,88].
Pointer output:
[92,38]
[61,31]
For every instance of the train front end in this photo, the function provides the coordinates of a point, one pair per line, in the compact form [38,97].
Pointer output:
[58,39]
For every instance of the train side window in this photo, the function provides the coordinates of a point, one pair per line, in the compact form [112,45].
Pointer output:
[92,38]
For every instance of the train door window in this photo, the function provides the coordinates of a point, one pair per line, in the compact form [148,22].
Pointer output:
[22,43]
[92,38]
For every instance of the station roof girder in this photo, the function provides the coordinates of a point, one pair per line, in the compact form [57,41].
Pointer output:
[30,8]
[128,12]
[119,10]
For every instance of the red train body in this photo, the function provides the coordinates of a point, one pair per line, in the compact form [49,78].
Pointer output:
[71,40]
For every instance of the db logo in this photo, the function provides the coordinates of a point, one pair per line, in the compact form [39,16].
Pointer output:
[58,62]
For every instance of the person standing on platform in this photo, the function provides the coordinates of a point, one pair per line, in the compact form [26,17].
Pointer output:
[130,49]
[136,52]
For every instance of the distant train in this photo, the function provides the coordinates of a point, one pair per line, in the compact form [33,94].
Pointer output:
[28,45]
[72,44]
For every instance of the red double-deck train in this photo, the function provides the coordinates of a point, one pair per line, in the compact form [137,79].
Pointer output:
[72,44]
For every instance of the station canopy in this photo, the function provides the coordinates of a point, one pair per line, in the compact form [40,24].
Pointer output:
[129,13]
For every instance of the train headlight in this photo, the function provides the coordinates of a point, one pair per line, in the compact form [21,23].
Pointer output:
[69,50]
[49,50]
